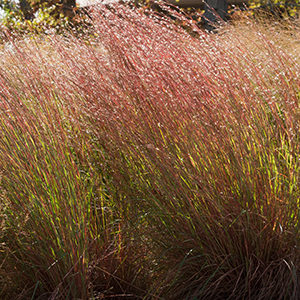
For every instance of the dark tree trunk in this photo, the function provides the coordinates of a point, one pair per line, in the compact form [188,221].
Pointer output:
[26,9]
[214,9]
[68,6]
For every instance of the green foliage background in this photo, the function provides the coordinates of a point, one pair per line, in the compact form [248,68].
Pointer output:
[35,15]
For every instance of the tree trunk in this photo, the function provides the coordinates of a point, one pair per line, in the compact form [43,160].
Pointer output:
[26,9]
[68,6]
[215,10]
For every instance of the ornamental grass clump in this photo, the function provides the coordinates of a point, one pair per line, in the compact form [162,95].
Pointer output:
[63,220]
[148,161]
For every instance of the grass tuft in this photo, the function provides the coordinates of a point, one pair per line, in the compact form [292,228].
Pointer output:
[145,162]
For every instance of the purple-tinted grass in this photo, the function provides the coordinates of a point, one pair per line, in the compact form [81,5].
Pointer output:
[145,162]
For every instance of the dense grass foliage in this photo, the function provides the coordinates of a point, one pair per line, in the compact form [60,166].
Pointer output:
[147,163]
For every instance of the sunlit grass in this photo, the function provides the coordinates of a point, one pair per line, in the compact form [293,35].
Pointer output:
[146,163]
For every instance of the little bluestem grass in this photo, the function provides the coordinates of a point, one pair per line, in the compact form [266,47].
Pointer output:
[145,162]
